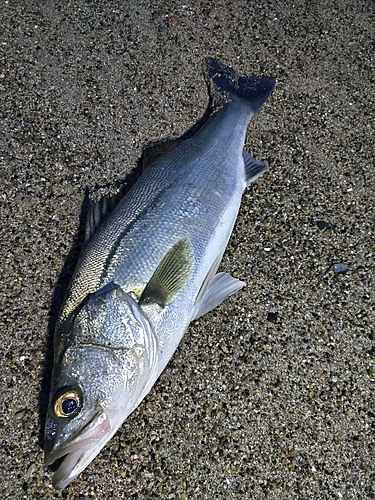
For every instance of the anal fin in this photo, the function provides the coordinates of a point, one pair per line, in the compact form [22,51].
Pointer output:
[253,168]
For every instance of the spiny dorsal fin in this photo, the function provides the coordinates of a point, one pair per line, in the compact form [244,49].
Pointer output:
[253,168]
[170,276]
[98,211]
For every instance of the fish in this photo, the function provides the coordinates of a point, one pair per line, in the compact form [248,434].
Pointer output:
[148,268]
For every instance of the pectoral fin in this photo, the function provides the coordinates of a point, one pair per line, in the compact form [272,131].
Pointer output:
[214,292]
[170,276]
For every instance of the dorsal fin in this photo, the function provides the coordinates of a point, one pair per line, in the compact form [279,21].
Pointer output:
[154,151]
[170,276]
[98,211]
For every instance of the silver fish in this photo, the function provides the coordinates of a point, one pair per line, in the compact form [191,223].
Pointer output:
[148,268]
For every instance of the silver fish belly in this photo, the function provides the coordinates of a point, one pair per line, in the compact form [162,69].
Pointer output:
[148,268]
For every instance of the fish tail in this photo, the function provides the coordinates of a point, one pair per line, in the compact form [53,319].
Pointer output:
[255,90]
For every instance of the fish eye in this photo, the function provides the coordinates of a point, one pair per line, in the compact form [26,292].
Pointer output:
[67,402]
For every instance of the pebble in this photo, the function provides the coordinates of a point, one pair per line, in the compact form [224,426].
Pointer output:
[340,268]
[20,414]
[323,224]
[272,317]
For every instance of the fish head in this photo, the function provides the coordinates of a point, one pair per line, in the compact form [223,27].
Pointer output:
[105,368]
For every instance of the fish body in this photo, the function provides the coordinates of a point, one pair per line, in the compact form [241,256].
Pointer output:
[147,270]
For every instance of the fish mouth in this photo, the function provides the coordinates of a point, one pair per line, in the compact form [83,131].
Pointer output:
[80,450]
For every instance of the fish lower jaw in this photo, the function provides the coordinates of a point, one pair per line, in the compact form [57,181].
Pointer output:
[80,451]
[69,469]
[75,462]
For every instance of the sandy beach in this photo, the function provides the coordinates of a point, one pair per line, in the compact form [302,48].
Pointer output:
[272,394]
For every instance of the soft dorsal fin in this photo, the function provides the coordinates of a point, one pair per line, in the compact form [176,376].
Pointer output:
[156,150]
[98,211]
[253,168]
[170,276]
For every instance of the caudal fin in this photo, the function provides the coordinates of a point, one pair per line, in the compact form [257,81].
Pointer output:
[253,89]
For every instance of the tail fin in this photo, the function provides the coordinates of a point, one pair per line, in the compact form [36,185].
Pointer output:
[253,89]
